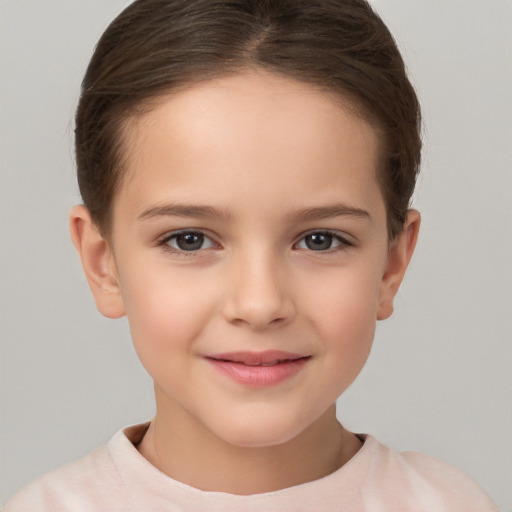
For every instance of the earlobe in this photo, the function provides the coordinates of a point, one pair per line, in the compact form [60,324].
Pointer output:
[399,255]
[98,263]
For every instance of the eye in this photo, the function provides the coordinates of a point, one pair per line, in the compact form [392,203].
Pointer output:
[323,241]
[188,241]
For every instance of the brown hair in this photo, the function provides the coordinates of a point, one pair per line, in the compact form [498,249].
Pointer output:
[156,46]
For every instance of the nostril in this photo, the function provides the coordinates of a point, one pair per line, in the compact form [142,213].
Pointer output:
[258,321]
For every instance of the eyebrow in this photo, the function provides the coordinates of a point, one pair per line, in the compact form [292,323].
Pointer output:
[200,211]
[183,210]
[328,211]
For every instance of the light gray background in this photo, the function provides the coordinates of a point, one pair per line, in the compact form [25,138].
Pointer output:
[438,380]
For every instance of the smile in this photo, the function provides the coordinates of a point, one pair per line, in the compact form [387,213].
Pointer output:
[258,369]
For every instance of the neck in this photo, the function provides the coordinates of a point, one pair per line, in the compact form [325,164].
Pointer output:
[192,455]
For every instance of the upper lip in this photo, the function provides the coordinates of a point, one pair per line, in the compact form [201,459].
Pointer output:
[257,358]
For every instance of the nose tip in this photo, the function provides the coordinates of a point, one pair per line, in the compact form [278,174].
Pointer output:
[259,301]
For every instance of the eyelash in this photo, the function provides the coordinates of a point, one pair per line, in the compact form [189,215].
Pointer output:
[344,244]
[164,242]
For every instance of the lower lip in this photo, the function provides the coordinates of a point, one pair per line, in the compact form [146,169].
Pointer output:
[259,376]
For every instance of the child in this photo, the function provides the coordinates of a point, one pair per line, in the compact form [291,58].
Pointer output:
[246,169]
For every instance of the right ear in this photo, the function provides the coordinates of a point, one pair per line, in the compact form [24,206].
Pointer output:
[98,262]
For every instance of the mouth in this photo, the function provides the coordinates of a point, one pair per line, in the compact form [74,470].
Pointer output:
[258,369]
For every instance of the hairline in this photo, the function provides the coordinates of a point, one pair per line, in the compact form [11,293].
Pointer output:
[141,107]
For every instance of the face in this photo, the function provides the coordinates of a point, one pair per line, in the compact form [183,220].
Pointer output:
[250,251]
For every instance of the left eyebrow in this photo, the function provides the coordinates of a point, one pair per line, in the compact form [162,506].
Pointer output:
[183,210]
[328,211]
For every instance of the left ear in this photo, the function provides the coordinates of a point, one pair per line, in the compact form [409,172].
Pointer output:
[399,255]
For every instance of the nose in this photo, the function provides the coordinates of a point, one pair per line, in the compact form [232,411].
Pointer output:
[259,294]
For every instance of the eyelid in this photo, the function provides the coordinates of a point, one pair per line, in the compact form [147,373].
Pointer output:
[345,240]
[164,239]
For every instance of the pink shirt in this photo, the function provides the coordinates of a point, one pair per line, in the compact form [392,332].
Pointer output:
[116,477]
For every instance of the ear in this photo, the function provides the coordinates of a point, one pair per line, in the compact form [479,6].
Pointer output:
[98,262]
[399,255]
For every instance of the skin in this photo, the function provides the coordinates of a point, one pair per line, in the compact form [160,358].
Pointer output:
[261,150]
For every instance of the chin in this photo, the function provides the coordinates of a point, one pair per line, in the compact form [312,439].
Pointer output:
[260,434]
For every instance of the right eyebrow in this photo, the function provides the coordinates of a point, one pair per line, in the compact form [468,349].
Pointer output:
[183,210]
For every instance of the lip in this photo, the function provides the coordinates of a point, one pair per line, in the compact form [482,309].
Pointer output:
[258,369]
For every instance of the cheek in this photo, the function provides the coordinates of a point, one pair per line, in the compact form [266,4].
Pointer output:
[348,330]
[344,314]
[165,315]
[346,299]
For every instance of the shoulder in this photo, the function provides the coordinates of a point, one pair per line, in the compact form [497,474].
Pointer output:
[430,483]
[86,485]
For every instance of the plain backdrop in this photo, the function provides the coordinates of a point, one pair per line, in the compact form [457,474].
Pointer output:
[439,378]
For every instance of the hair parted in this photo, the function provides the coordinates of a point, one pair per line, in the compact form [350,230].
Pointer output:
[157,46]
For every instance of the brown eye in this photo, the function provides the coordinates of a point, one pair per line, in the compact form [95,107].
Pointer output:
[323,241]
[319,242]
[189,241]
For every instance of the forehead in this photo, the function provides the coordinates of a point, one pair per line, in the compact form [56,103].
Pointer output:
[255,133]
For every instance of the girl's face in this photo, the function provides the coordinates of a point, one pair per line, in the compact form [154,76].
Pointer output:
[251,256]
